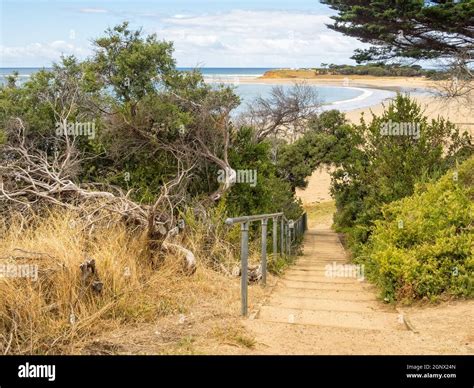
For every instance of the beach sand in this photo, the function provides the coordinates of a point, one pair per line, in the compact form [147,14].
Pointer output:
[457,112]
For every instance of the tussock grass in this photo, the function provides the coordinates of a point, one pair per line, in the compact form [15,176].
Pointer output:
[57,314]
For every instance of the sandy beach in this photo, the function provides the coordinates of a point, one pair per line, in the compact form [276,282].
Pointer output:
[422,89]
[379,91]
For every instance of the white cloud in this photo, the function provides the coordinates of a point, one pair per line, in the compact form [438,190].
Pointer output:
[34,53]
[256,38]
[237,38]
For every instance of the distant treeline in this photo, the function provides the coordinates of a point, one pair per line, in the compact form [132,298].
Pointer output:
[377,70]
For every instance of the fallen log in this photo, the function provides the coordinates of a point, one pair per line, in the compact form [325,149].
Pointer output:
[190,259]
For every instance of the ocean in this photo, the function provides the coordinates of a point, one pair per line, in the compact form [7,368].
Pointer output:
[208,72]
[327,95]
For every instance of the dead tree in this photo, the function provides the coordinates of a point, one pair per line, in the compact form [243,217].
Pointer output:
[459,84]
[206,140]
[31,178]
[283,112]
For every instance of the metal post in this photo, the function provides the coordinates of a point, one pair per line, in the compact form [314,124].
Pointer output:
[264,251]
[282,236]
[287,237]
[275,238]
[244,253]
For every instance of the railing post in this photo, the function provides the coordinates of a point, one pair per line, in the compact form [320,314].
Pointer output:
[289,241]
[282,236]
[275,238]
[244,253]
[264,251]
[291,226]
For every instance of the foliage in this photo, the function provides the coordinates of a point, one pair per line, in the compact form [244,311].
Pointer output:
[378,69]
[324,142]
[381,168]
[433,251]
[151,122]
[271,194]
[406,29]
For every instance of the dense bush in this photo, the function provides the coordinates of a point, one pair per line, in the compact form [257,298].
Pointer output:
[325,142]
[424,244]
[380,169]
[271,193]
[151,122]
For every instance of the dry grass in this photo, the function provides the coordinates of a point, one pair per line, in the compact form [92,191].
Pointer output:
[56,314]
[320,214]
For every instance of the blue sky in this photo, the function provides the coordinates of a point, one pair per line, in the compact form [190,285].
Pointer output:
[223,33]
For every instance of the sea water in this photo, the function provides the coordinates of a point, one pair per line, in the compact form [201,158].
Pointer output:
[247,91]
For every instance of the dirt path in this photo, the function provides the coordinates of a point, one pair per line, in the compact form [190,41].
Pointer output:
[311,313]
[305,313]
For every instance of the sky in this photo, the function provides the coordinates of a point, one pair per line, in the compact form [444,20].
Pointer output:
[209,33]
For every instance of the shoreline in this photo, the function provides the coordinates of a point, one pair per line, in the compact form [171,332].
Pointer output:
[383,89]
[371,95]
[318,189]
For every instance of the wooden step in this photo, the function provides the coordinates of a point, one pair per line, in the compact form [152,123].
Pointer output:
[319,277]
[308,303]
[325,294]
[313,285]
[347,319]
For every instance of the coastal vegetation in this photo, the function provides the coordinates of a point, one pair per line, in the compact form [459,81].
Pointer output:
[423,244]
[375,70]
[378,183]
[116,178]
[117,209]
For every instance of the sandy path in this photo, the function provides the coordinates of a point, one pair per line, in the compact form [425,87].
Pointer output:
[318,188]
[310,313]
[309,309]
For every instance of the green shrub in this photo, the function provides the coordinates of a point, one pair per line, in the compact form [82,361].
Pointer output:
[271,193]
[424,244]
[380,169]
